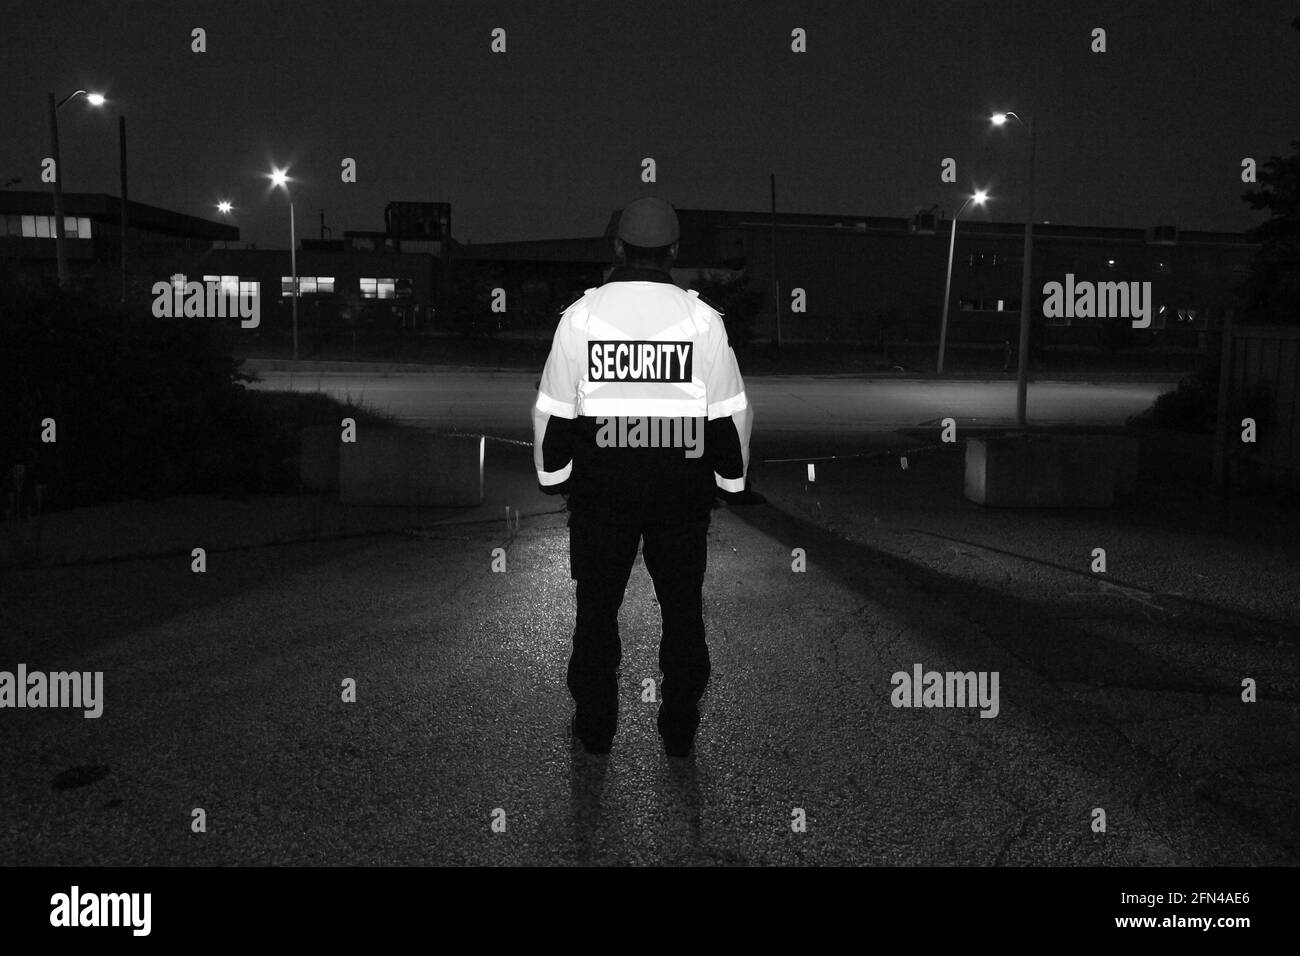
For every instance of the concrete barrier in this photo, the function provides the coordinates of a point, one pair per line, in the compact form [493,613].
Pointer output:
[398,466]
[1050,471]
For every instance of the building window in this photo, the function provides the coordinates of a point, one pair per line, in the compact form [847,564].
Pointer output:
[307,285]
[379,288]
[42,227]
[229,285]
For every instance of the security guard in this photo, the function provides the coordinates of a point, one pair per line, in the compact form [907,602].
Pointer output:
[635,359]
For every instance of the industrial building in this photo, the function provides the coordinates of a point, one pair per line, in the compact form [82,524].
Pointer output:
[847,278]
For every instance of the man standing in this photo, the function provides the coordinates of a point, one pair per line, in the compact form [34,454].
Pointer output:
[634,362]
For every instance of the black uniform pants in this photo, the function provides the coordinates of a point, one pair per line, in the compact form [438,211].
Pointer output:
[602,550]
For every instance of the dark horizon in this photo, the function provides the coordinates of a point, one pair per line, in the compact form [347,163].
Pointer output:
[545,140]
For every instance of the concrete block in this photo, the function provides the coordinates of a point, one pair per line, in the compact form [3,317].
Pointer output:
[318,459]
[398,466]
[1040,471]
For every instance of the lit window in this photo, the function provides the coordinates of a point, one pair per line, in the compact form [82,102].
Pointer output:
[378,288]
[83,228]
[29,226]
[1002,304]
[306,284]
[229,285]
[324,283]
[43,227]
[286,285]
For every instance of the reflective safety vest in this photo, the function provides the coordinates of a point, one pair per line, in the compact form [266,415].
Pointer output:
[637,349]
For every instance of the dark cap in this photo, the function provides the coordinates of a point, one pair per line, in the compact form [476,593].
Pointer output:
[648,222]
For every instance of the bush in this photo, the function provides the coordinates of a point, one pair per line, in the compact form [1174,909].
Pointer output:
[1190,407]
[143,407]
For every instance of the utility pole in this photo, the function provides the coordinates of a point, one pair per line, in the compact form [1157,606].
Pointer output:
[1022,374]
[60,252]
[776,283]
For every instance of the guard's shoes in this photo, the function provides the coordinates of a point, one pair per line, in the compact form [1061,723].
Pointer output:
[596,736]
[678,733]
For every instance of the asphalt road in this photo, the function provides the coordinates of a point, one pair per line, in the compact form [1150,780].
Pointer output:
[223,691]
[496,401]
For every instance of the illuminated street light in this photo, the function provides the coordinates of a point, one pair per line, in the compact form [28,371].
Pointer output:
[978,199]
[1022,373]
[224,207]
[280,178]
[60,251]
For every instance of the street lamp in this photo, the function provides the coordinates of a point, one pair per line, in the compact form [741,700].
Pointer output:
[977,199]
[1022,373]
[280,178]
[60,252]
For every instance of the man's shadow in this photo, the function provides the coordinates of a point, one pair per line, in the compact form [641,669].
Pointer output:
[587,774]
[679,785]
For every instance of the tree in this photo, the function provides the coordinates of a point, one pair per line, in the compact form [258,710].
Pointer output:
[1272,288]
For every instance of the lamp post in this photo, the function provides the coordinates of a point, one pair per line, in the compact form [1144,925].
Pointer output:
[977,199]
[60,251]
[280,178]
[1022,373]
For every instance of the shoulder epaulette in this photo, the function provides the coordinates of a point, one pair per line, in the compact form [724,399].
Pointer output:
[575,300]
[716,308]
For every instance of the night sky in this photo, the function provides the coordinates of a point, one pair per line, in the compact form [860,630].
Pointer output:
[546,139]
